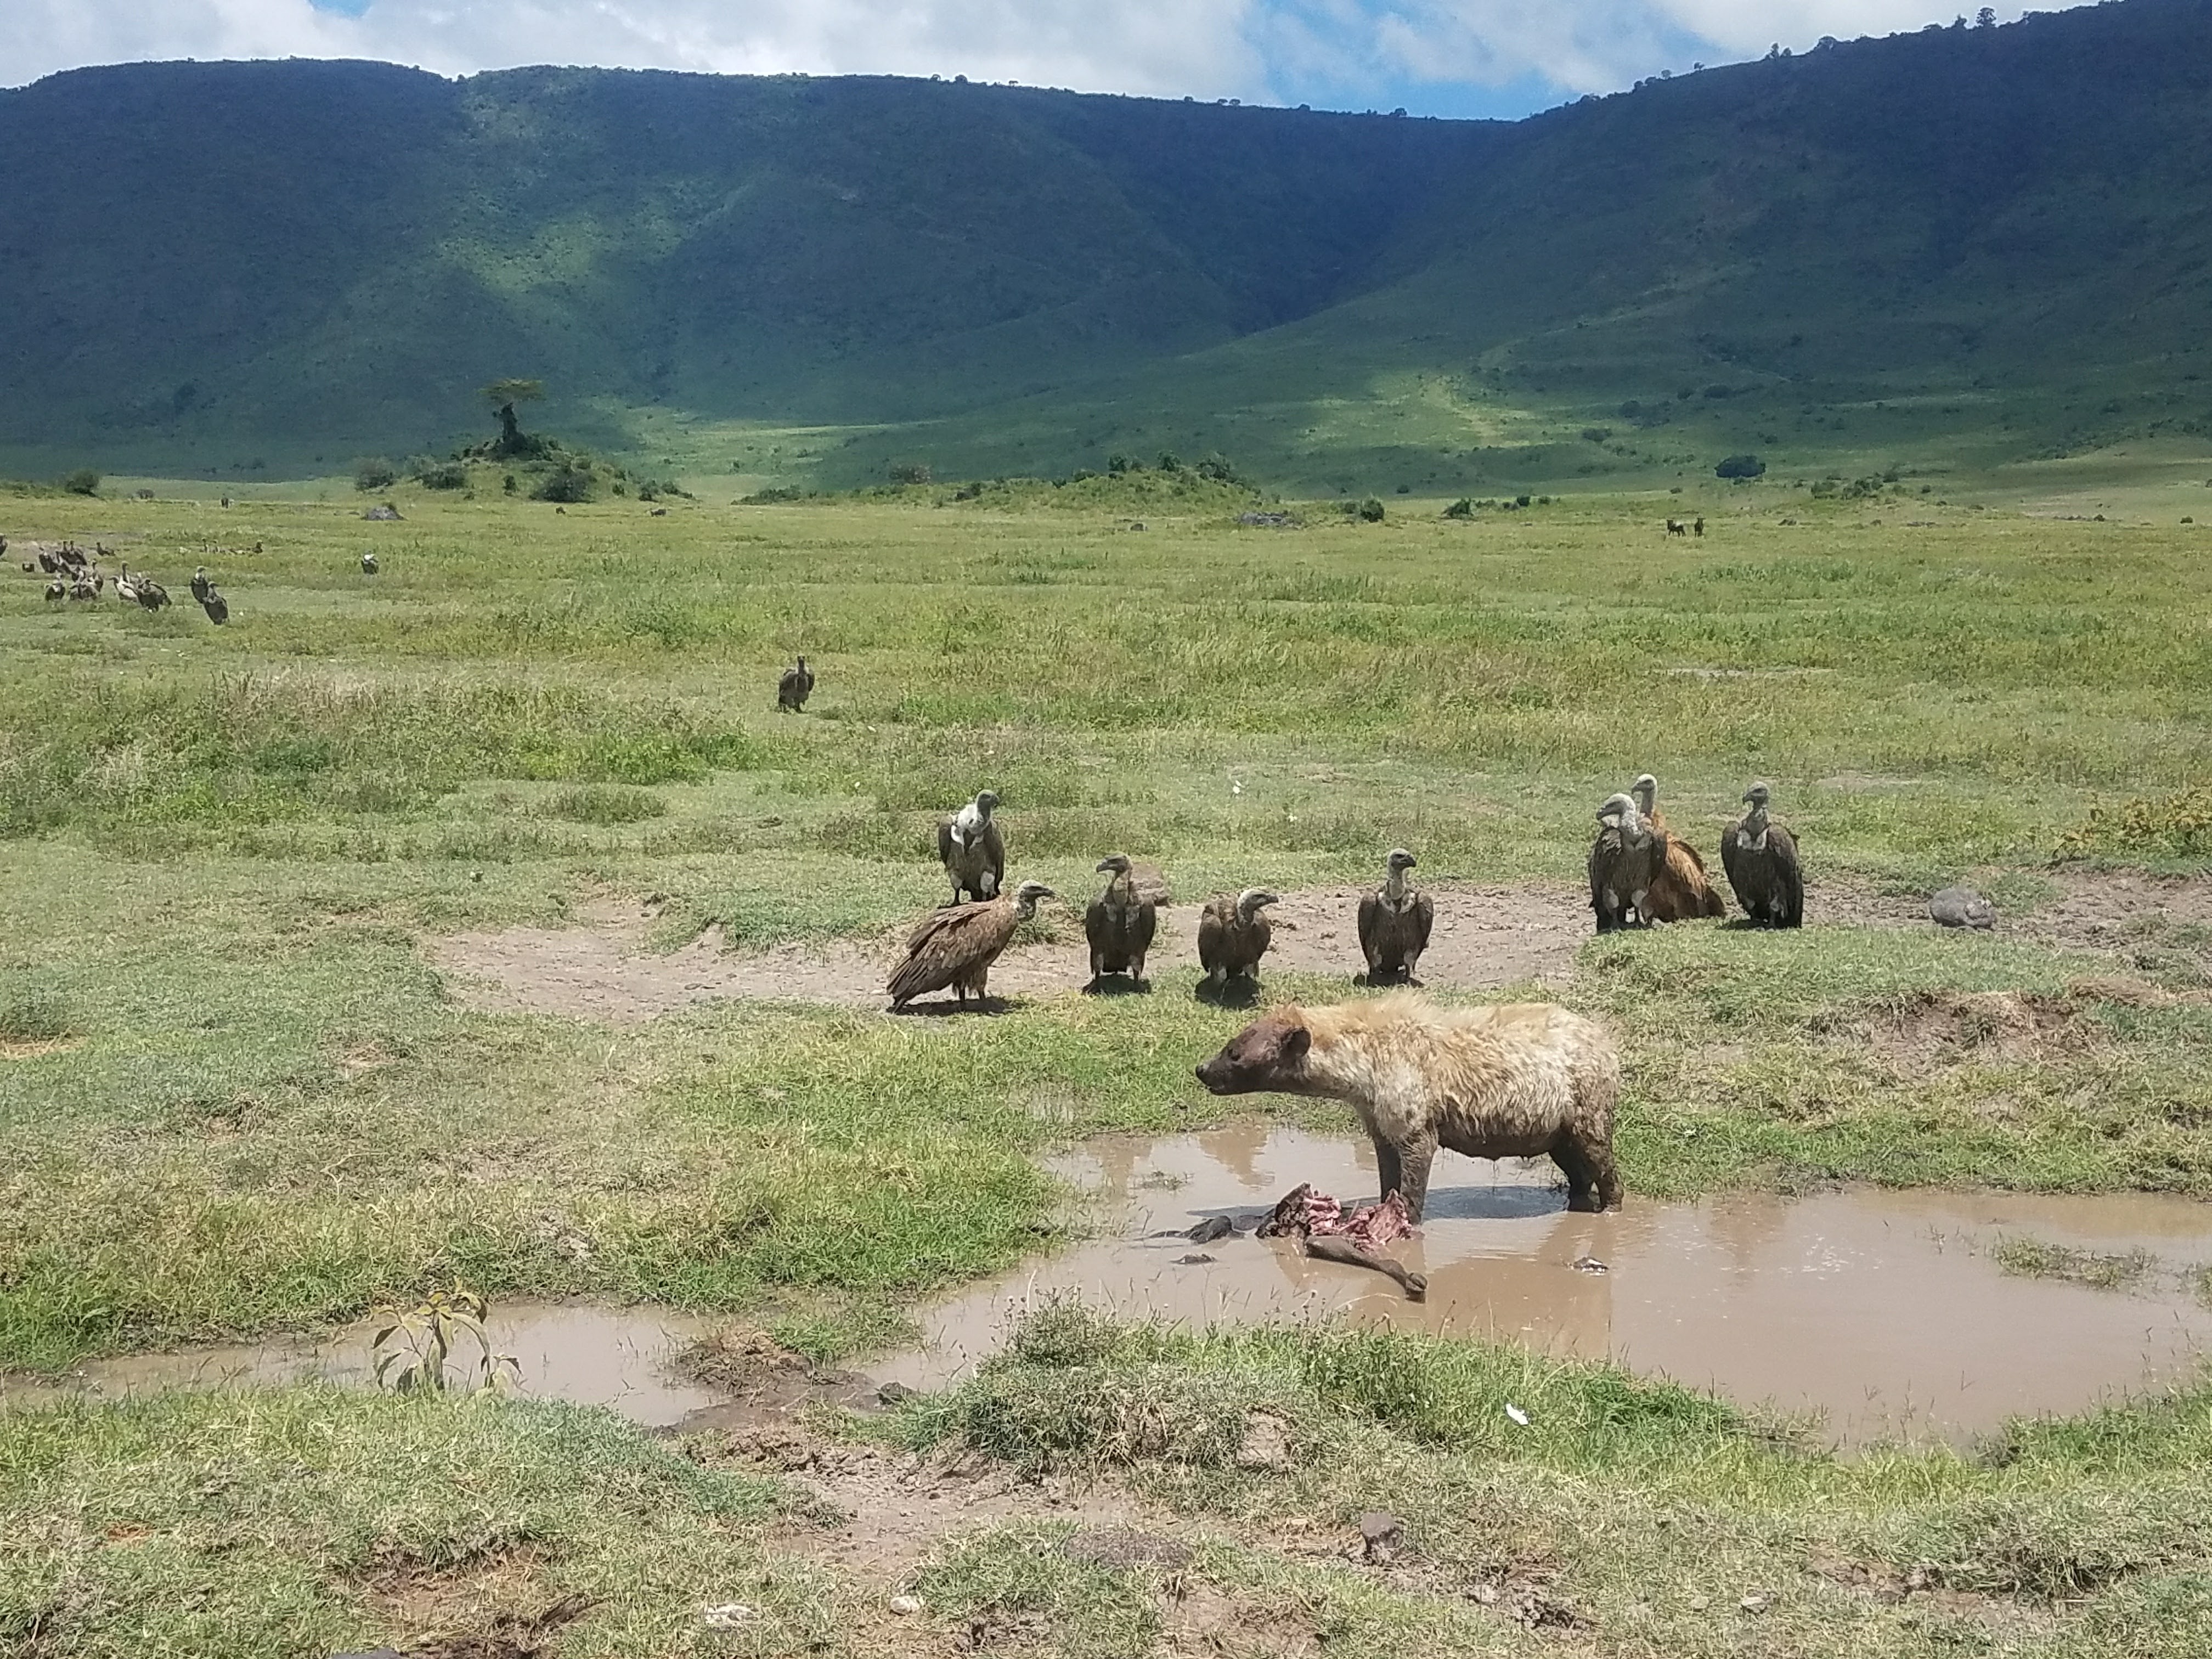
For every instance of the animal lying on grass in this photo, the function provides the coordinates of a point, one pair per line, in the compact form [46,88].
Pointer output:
[1516,1080]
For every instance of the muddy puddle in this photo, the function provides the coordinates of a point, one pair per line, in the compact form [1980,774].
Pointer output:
[1883,1311]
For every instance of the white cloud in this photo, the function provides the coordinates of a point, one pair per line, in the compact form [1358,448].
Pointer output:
[1209,48]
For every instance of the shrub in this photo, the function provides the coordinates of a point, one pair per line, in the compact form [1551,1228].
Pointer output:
[1371,511]
[372,472]
[570,481]
[911,472]
[441,475]
[1169,461]
[1462,509]
[606,803]
[2175,825]
[1520,501]
[82,481]
[1216,467]
[1741,466]
[1596,434]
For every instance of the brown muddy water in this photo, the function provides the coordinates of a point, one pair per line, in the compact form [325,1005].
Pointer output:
[1883,1312]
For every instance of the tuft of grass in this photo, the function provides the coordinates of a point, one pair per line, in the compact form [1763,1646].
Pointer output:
[2035,1258]
[606,803]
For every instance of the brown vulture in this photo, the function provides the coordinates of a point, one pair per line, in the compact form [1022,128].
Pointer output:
[1232,935]
[793,691]
[217,607]
[1624,860]
[1760,858]
[955,946]
[201,584]
[1393,924]
[969,847]
[1683,891]
[1119,924]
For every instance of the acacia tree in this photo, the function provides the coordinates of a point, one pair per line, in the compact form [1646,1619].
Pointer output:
[503,396]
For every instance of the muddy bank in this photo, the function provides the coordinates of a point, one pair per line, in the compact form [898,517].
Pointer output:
[1885,1311]
[600,968]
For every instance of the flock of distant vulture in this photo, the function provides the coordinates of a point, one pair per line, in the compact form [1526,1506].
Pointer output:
[77,578]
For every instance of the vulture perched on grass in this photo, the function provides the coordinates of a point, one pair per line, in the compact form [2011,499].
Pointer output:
[1624,862]
[1232,935]
[217,607]
[1393,924]
[1119,924]
[57,589]
[1760,858]
[151,594]
[1683,891]
[955,946]
[793,691]
[969,847]
[201,585]
[369,564]
[126,585]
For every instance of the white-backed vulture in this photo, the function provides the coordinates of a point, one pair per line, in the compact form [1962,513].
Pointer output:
[201,585]
[1393,924]
[969,846]
[1119,924]
[369,564]
[793,691]
[955,946]
[126,585]
[1683,891]
[1624,861]
[1760,858]
[1232,935]
[57,589]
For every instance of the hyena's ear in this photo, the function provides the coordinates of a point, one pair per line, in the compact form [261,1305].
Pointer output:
[1296,1042]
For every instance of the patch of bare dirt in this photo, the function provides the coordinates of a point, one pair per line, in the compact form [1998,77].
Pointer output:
[601,968]
[470,1608]
[33,1048]
[2118,910]
[1930,1029]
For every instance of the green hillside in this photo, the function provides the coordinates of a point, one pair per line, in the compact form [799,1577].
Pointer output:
[1985,244]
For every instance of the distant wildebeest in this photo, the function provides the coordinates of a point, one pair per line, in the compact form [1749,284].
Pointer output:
[1675,527]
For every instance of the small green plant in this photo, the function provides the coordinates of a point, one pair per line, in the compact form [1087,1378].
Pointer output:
[2179,826]
[2035,1258]
[1371,511]
[34,1015]
[606,803]
[414,1352]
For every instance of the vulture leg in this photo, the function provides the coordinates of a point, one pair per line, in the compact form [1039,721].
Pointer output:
[1097,972]
[1414,1160]
[1137,973]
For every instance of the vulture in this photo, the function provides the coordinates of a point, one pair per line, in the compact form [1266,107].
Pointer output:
[201,586]
[1119,923]
[57,589]
[1232,935]
[126,585]
[1760,858]
[1393,924]
[217,607]
[969,847]
[793,691]
[369,564]
[1683,891]
[151,594]
[1624,862]
[955,946]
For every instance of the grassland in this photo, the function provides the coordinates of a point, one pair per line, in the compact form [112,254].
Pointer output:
[238,1097]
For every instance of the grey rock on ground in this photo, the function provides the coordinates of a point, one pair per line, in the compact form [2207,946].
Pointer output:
[1961,906]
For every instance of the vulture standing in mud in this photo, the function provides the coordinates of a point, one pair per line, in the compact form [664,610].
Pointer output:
[1624,862]
[369,564]
[1760,858]
[1232,935]
[1119,924]
[1394,925]
[1683,891]
[969,847]
[793,691]
[955,946]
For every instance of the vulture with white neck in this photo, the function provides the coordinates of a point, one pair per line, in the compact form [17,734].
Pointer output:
[1624,862]
[1760,858]
[969,847]
[1683,891]
[1393,924]
[1119,924]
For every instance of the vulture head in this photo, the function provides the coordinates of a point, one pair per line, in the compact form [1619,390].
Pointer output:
[1620,813]
[1253,900]
[1117,862]
[986,802]
[1757,795]
[1400,861]
[1646,791]
[1027,894]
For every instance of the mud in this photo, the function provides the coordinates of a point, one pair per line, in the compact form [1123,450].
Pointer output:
[1884,1312]
[601,969]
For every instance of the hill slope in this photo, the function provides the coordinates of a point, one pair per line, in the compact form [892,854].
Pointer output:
[1998,235]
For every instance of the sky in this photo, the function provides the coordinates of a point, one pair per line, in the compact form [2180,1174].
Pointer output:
[1451,58]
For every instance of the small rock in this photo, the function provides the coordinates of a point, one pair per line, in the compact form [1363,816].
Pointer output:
[1921,1576]
[1486,1594]
[1207,1231]
[1961,906]
[1380,1536]
[384,511]
[1753,1602]
[905,1605]
[1195,1259]
[1590,1264]
[1267,1443]
[891,1393]
[728,1615]
[1516,1414]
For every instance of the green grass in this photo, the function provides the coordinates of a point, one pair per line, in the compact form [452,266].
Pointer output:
[238,1096]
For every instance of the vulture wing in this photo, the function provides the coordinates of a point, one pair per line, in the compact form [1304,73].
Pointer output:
[1372,919]
[1100,925]
[994,857]
[1789,875]
[1142,926]
[1734,857]
[950,946]
[1418,921]
[1255,939]
[1213,936]
[946,843]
